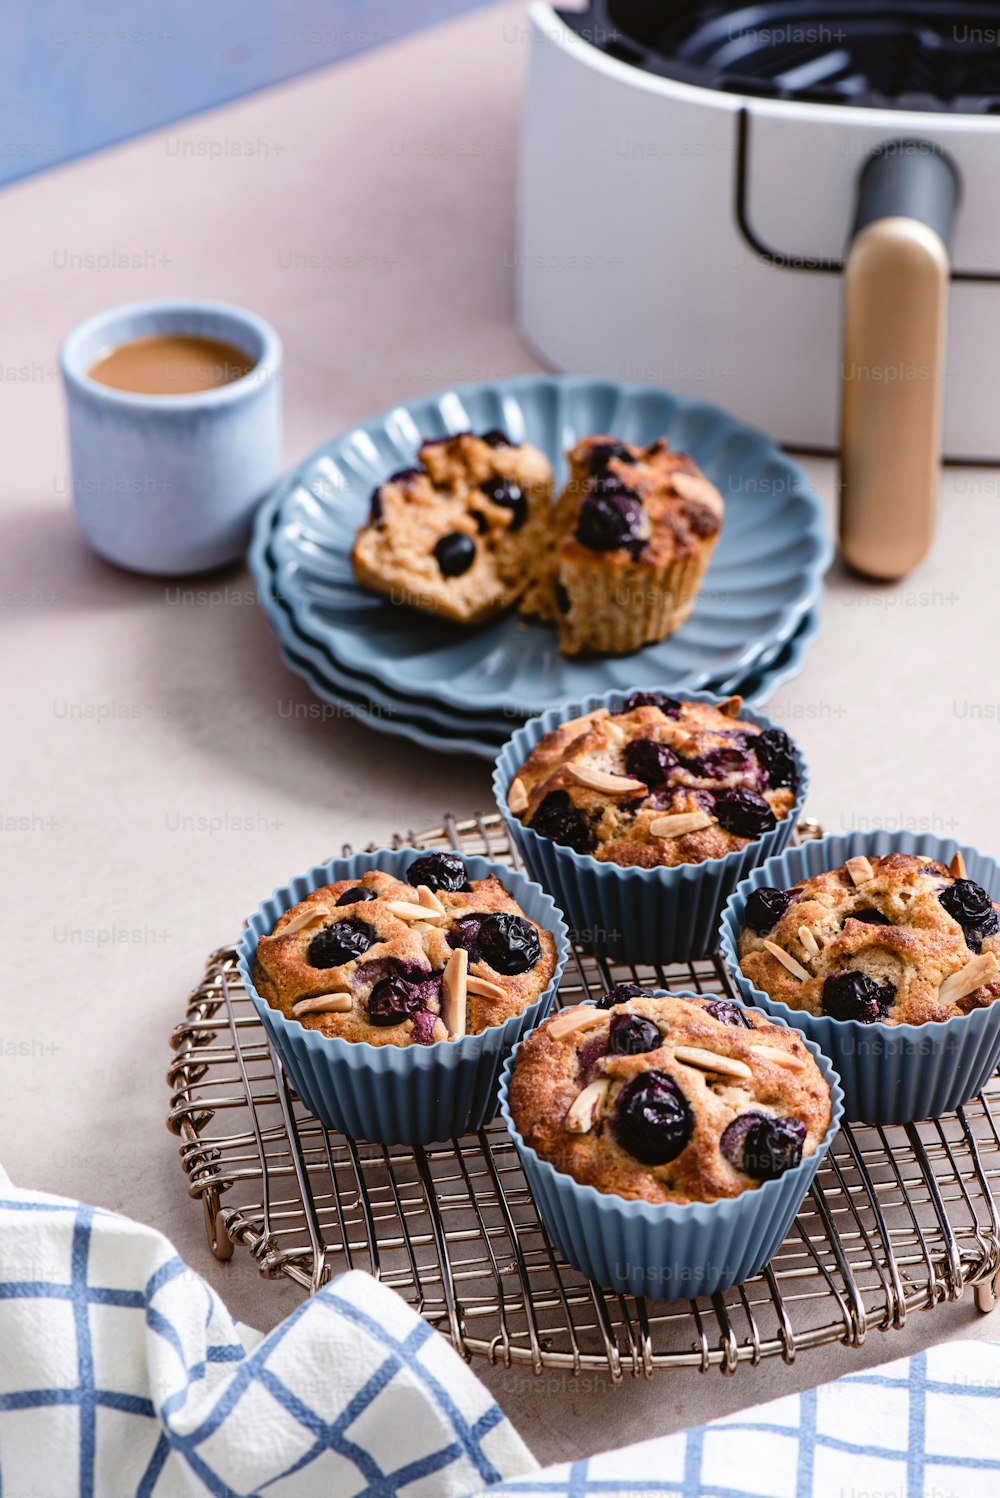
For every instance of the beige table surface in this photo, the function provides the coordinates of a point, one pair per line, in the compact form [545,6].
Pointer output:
[372,222]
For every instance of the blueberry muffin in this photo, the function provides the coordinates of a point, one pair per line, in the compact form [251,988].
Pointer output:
[630,539]
[897,939]
[455,534]
[398,963]
[659,782]
[667,1097]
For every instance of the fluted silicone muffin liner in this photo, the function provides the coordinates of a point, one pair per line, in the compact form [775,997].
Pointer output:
[891,1074]
[635,915]
[668,1250]
[397,1094]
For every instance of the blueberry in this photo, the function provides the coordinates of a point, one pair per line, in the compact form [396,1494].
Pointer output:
[870,917]
[482,524]
[654,1122]
[439,871]
[557,818]
[765,907]
[393,1000]
[611,516]
[762,1146]
[970,905]
[465,933]
[717,764]
[356,894]
[853,995]
[508,495]
[744,813]
[670,707]
[340,943]
[776,756]
[622,992]
[631,1035]
[650,761]
[727,1013]
[455,553]
[495,438]
[602,453]
[509,943]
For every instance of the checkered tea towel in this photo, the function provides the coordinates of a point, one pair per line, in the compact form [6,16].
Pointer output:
[923,1427]
[121,1373]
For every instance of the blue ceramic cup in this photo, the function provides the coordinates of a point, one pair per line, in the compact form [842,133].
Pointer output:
[168,484]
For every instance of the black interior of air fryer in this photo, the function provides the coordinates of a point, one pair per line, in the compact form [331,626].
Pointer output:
[932,55]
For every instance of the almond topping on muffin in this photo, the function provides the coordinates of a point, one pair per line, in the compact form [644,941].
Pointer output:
[583,1017]
[338,1002]
[517,796]
[602,780]
[303,919]
[454,992]
[406,911]
[679,823]
[779,1058]
[787,960]
[483,987]
[860,869]
[725,1066]
[957,866]
[584,1110]
[429,899]
[809,941]
[973,975]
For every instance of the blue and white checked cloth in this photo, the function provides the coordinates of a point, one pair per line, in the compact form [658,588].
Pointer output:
[122,1373]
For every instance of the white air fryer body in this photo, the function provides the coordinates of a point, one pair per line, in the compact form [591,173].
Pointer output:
[691,238]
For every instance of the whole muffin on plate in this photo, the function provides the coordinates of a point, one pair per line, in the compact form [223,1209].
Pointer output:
[669,1098]
[657,781]
[457,534]
[630,540]
[398,961]
[893,939]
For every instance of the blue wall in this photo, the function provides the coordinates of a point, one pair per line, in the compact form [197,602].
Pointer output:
[80,74]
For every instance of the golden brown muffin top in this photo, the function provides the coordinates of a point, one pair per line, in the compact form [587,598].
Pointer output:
[659,498]
[659,782]
[668,1097]
[896,939]
[392,963]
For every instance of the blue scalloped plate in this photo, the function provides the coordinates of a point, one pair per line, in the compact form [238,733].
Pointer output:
[766,573]
[433,731]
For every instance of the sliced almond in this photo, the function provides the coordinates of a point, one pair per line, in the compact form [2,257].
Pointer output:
[615,732]
[678,823]
[483,988]
[454,986]
[957,866]
[732,705]
[780,1058]
[603,780]
[407,911]
[583,1017]
[973,975]
[860,869]
[787,960]
[517,796]
[429,899]
[585,721]
[303,919]
[324,1003]
[809,941]
[724,1066]
[697,489]
[584,1109]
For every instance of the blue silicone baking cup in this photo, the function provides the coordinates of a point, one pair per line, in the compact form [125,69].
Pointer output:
[657,915]
[397,1094]
[669,1251]
[891,1074]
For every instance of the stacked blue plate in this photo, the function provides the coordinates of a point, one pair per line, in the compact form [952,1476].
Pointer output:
[465,690]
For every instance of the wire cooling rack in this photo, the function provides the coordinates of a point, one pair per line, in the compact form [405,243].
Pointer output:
[898,1220]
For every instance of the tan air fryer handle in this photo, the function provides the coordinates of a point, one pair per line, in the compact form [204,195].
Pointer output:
[895,305]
